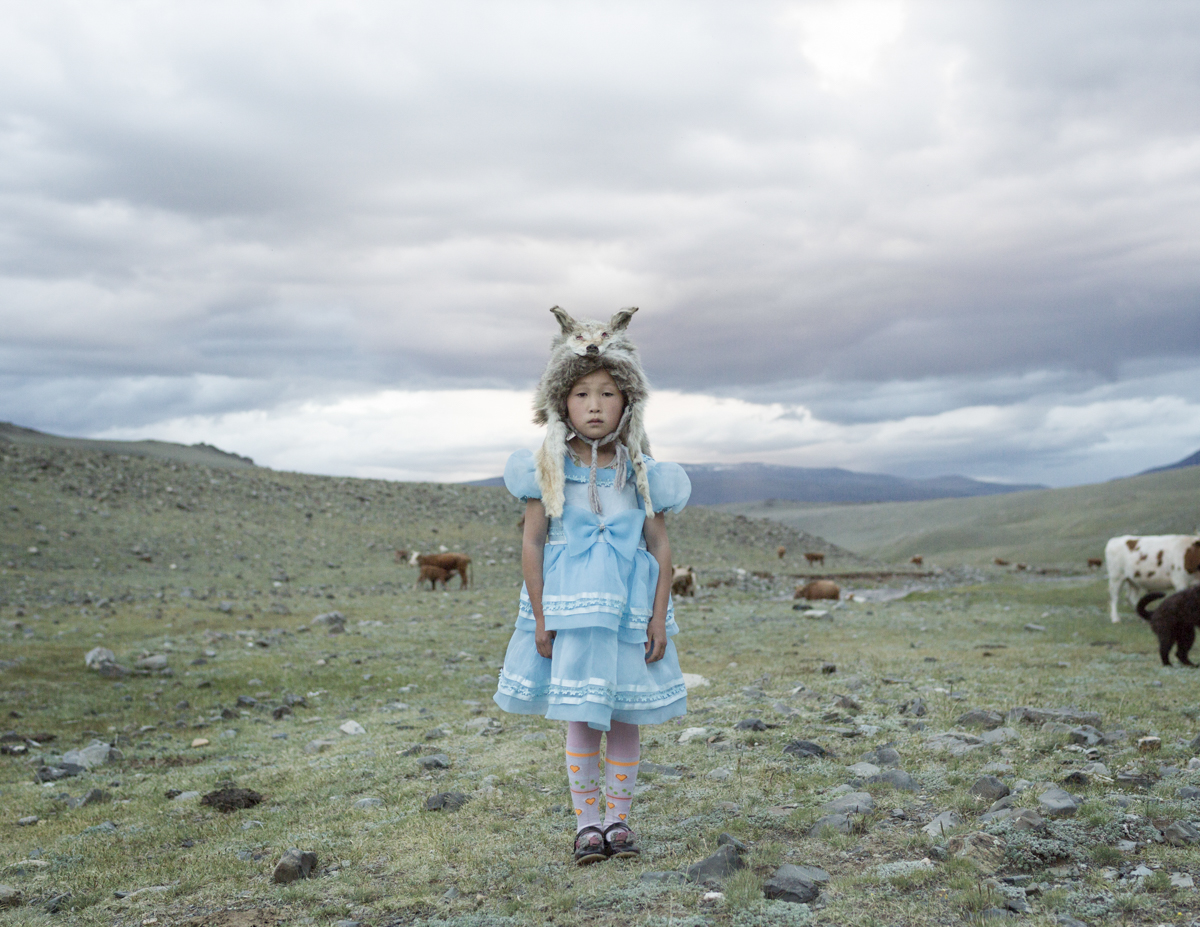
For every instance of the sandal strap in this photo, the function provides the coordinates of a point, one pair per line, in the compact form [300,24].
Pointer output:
[590,829]
[624,828]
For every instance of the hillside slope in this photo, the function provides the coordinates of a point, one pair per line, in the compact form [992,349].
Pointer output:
[1061,527]
[201,454]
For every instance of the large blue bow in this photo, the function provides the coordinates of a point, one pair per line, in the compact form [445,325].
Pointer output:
[584,528]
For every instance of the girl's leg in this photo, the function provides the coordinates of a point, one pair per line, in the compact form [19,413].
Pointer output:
[622,753]
[583,773]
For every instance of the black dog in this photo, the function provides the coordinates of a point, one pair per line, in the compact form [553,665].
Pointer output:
[1174,622]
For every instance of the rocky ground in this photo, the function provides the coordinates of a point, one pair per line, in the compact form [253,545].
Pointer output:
[949,745]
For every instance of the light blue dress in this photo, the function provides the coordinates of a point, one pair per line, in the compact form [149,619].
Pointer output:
[598,596]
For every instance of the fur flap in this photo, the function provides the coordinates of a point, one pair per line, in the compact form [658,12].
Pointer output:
[582,347]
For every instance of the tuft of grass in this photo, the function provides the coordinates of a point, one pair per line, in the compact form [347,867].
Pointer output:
[743,890]
[1104,855]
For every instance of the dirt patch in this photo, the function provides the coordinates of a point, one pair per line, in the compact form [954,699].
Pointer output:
[257,917]
[226,800]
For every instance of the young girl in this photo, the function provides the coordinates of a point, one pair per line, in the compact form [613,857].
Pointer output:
[592,644]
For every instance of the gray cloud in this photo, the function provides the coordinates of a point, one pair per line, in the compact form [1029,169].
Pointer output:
[322,200]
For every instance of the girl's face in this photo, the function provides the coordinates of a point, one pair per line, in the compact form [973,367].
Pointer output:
[594,405]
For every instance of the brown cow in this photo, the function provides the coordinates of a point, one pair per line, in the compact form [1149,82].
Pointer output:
[1000,562]
[683,581]
[918,560]
[814,558]
[435,575]
[818,589]
[781,551]
[451,563]
[1094,563]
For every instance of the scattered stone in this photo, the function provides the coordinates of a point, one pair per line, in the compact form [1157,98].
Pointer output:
[232,799]
[847,702]
[828,668]
[317,746]
[657,770]
[97,753]
[434,761]
[483,726]
[295,864]
[1086,735]
[1062,715]
[98,656]
[1057,803]
[1136,779]
[55,904]
[446,801]
[985,850]
[750,724]
[366,804]
[981,717]
[10,896]
[807,748]
[1065,920]
[693,733]
[200,742]
[896,778]
[882,756]
[839,823]
[27,821]
[720,774]
[946,821]
[538,737]
[850,803]
[90,797]
[1034,627]
[184,796]
[722,864]
[352,728]
[1181,833]
[794,884]
[729,840]
[330,620]
[863,770]
[999,735]
[989,788]
[1026,819]
[1148,744]
[1182,880]
[1188,792]
[956,743]
[694,681]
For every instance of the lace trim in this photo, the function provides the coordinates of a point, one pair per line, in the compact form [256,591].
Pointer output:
[577,692]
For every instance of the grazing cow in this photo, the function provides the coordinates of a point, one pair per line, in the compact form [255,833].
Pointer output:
[683,581]
[918,560]
[435,575]
[818,589]
[814,558]
[781,551]
[401,555]
[1094,563]
[1022,566]
[451,563]
[1000,562]
[1153,563]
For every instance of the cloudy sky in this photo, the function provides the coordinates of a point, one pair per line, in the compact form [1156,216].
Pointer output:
[918,238]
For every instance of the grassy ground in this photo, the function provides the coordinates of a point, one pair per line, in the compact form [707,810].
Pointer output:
[1050,527]
[416,669]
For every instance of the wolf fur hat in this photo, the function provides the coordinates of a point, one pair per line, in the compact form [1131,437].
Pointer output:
[580,348]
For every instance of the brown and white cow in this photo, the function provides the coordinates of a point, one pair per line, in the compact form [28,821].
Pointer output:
[818,589]
[1153,563]
[450,562]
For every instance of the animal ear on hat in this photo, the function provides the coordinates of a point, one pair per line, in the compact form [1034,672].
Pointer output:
[565,322]
[620,320]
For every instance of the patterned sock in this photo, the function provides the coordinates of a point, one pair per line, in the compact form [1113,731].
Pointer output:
[622,752]
[583,773]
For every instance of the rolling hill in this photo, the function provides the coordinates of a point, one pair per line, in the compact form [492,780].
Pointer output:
[1047,527]
[719,484]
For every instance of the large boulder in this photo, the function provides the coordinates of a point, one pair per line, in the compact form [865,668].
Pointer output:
[797,884]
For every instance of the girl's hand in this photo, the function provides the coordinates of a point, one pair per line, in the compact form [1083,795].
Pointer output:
[656,639]
[545,642]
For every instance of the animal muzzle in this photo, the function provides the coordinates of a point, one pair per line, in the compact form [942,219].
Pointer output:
[593,349]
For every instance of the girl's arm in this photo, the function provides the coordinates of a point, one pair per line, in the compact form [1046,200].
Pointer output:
[533,552]
[660,549]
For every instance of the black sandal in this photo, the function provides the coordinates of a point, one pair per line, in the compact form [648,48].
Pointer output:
[620,844]
[590,846]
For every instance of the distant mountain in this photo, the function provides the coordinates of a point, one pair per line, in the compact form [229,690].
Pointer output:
[716,484]
[201,454]
[1192,461]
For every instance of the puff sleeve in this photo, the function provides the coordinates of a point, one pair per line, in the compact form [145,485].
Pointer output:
[520,477]
[670,487]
